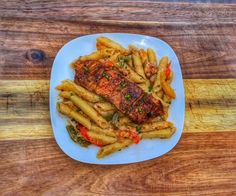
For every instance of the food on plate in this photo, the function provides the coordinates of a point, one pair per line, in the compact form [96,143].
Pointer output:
[119,96]
[106,81]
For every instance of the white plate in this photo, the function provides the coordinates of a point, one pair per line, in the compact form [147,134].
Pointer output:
[146,149]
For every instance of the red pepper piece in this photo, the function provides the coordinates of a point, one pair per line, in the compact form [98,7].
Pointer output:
[84,132]
[168,70]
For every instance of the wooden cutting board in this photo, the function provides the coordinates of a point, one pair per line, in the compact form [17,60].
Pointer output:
[204,38]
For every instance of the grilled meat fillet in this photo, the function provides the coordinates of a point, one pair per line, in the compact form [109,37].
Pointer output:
[106,81]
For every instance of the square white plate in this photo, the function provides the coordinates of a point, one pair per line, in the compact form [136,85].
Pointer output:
[146,149]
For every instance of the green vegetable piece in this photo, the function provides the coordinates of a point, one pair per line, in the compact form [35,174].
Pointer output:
[74,135]
[140,109]
[106,75]
[128,97]
[86,69]
[109,117]
[139,129]
[123,84]
[150,89]
[122,60]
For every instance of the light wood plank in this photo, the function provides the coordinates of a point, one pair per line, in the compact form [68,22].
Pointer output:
[24,112]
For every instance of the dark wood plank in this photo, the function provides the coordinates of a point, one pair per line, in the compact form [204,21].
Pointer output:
[201,164]
[204,51]
[130,10]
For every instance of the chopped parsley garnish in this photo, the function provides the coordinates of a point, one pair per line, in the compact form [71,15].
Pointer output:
[71,94]
[123,84]
[140,109]
[150,89]
[122,60]
[139,129]
[128,97]
[86,69]
[106,75]
[78,110]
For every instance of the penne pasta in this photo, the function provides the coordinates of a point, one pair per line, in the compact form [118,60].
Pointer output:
[166,86]
[138,64]
[85,107]
[66,110]
[105,106]
[130,73]
[68,85]
[100,138]
[162,134]
[119,145]
[108,131]
[147,127]
[162,66]
[93,56]
[143,55]
[100,46]
[110,43]
[152,56]
[105,109]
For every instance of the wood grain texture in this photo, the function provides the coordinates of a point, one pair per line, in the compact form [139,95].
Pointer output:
[204,50]
[197,166]
[24,107]
[119,10]
[203,37]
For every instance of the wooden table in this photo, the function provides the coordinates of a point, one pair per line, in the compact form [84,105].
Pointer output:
[204,38]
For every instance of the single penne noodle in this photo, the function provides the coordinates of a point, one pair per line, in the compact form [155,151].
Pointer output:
[163,134]
[130,74]
[147,127]
[138,66]
[108,52]
[166,86]
[152,56]
[106,114]
[104,139]
[110,43]
[104,106]
[100,46]
[162,66]
[85,107]
[132,47]
[143,55]
[68,85]
[66,110]
[114,57]
[93,56]
[107,131]
[105,109]
[109,149]
[124,120]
